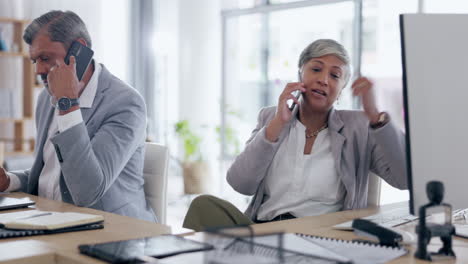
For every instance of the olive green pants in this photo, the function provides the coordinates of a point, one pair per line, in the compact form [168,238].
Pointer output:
[207,211]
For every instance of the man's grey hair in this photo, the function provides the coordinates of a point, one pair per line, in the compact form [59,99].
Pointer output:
[324,47]
[60,26]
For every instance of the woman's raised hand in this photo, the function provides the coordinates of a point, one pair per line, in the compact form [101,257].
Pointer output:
[283,114]
[364,88]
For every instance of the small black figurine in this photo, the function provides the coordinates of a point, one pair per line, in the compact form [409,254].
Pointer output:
[435,193]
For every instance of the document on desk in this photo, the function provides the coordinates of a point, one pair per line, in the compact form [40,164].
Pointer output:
[461,230]
[297,244]
[358,252]
[259,250]
[44,220]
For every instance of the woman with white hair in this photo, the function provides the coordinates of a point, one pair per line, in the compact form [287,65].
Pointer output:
[313,161]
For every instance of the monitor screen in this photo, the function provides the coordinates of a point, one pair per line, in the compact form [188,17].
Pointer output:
[435,90]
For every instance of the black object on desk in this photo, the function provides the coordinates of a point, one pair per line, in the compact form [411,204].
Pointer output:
[9,233]
[435,193]
[385,236]
[133,251]
[7,203]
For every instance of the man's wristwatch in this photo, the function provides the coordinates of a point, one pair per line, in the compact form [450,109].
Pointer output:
[382,121]
[64,103]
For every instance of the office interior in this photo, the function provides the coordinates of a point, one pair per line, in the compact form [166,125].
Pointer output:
[211,65]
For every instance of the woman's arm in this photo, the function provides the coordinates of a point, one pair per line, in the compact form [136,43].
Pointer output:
[388,155]
[250,166]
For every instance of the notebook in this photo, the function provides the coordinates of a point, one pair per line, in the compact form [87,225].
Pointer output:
[12,203]
[461,230]
[297,244]
[43,220]
[358,252]
[7,233]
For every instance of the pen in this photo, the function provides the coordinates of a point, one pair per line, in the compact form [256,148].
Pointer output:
[36,215]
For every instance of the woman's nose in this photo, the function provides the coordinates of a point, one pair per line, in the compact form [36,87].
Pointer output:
[323,78]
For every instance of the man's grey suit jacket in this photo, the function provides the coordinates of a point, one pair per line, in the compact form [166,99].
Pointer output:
[101,158]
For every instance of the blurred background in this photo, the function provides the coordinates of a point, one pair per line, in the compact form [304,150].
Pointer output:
[206,68]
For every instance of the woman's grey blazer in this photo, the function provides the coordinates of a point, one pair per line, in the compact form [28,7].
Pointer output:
[101,158]
[356,147]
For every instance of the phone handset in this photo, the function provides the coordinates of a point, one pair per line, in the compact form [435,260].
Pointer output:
[83,56]
[298,94]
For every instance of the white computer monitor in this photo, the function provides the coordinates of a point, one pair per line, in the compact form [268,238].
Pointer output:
[435,90]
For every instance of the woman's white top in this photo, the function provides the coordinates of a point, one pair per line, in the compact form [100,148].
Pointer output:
[302,184]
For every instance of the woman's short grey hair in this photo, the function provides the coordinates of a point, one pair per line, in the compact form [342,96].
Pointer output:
[324,47]
[64,27]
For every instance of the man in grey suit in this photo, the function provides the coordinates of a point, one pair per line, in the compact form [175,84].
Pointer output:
[90,133]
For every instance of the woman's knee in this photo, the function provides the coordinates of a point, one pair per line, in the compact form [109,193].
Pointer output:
[203,200]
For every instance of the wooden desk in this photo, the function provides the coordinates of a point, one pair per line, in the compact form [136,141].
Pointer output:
[63,248]
[322,226]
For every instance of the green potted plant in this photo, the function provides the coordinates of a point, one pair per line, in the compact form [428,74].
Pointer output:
[196,171]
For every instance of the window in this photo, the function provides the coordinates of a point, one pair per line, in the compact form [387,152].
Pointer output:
[261,51]
[381,60]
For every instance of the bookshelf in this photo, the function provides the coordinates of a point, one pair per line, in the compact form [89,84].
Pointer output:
[16,143]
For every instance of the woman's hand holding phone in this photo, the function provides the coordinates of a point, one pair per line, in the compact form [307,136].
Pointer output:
[292,91]
[283,112]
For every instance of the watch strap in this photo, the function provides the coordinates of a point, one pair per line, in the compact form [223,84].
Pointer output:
[74,101]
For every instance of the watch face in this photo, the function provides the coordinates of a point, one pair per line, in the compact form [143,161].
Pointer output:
[64,104]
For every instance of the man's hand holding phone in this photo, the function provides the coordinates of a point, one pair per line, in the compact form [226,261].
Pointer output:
[62,79]
[283,111]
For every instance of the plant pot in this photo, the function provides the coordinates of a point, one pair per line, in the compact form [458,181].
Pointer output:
[196,177]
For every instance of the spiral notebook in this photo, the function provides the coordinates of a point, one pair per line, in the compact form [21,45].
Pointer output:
[358,252]
[7,233]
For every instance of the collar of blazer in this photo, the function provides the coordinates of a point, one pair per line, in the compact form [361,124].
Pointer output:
[103,85]
[334,121]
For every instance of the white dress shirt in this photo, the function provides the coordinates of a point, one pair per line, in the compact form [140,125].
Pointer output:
[302,184]
[49,179]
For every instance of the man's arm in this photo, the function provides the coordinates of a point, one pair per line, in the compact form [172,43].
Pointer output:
[13,181]
[91,165]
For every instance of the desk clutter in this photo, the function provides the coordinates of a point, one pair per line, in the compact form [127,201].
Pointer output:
[245,248]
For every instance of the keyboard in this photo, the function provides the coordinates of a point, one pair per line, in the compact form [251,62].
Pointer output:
[390,218]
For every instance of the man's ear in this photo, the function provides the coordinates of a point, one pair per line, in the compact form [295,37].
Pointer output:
[82,41]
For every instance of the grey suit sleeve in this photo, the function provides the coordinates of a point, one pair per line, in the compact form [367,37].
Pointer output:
[250,166]
[23,178]
[90,165]
[388,157]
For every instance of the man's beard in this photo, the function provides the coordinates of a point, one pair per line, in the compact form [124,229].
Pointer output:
[53,99]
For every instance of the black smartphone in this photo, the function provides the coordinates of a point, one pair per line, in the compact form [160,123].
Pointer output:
[83,56]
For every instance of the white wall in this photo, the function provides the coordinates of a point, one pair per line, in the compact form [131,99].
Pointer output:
[200,60]
[107,22]
[200,72]
[166,43]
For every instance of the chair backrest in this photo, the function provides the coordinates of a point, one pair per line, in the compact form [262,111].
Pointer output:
[155,174]
[373,193]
